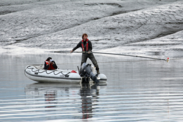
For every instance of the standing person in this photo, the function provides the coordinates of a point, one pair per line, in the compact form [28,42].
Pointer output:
[86,46]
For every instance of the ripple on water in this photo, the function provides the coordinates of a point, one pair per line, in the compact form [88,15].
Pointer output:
[136,91]
[92,103]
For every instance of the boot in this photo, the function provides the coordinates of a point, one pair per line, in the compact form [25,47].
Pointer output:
[98,72]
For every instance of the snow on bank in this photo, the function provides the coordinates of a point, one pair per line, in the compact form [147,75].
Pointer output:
[14,50]
[113,26]
[45,19]
[167,46]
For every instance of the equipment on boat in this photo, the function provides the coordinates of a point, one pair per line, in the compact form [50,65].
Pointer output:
[37,73]
[86,73]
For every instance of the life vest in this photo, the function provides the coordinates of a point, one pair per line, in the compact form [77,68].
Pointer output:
[83,46]
[50,66]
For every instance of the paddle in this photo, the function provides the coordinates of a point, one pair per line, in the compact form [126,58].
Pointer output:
[120,54]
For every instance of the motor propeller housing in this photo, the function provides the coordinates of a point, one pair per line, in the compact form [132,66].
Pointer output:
[86,73]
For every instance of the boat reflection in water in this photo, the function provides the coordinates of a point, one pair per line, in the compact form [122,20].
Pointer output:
[50,98]
[63,101]
[88,96]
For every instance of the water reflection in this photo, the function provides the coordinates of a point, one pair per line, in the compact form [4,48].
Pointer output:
[50,98]
[137,91]
[88,96]
[63,100]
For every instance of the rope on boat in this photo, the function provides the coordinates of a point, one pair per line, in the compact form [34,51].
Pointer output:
[50,71]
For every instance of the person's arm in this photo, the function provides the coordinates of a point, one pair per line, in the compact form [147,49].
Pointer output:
[89,46]
[54,65]
[77,46]
[46,66]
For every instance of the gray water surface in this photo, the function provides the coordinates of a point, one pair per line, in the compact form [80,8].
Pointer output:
[137,90]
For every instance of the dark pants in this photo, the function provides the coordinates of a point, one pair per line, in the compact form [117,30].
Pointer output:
[91,57]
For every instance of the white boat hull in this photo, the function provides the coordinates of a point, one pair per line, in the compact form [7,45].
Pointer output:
[38,74]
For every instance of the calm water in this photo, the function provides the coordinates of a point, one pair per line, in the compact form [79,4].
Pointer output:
[137,90]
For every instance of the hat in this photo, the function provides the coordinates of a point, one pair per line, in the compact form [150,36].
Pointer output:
[48,58]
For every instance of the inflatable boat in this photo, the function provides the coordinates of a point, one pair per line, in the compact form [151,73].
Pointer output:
[37,73]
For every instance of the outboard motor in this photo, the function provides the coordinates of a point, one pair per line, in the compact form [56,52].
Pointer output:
[86,73]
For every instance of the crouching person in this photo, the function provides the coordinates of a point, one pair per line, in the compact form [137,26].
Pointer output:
[50,64]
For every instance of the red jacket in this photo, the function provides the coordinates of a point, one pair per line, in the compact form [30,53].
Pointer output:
[50,66]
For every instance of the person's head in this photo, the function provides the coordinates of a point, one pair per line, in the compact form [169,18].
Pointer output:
[84,36]
[48,59]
